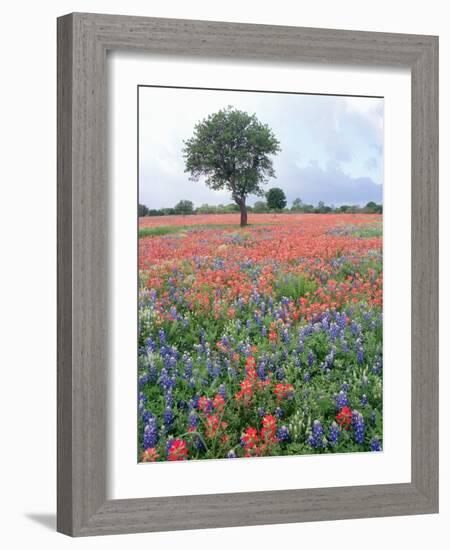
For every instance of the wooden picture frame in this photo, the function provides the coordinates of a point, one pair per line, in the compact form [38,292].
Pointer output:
[83,40]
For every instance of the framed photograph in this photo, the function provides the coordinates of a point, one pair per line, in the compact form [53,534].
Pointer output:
[247,274]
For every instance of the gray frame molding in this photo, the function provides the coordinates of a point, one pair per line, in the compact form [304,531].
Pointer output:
[83,40]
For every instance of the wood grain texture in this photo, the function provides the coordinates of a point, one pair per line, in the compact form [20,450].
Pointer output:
[83,40]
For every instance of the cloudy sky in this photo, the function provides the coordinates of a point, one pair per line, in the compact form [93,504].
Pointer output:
[331,147]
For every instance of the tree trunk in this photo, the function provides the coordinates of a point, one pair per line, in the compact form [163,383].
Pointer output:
[243,209]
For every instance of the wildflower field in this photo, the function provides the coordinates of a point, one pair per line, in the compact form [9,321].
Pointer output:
[260,341]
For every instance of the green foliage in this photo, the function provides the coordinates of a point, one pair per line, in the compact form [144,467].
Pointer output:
[297,205]
[184,207]
[276,199]
[373,208]
[142,210]
[171,229]
[158,231]
[260,207]
[291,285]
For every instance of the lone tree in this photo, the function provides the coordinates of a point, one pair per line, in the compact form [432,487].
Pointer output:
[184,207]
[231,149]
[276,199]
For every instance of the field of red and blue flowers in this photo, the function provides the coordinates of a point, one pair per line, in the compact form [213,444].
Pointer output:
[261,341]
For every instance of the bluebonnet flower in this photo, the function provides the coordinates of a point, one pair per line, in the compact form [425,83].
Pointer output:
[279,412]
[334,331]
[168,416]
[341,399]
[146,415]
[165,380]
[263,331]
[162,336]
[223,391]
[280,373]
[187,366]
[261,370]
[367,315]
[151,345]
[375,444]
[334,434]
[373,417]
[345,387]
[169,398]
[364,401]
[231,454]
[143,379]
[261,412]
[209,368]
[329,359]
[232,372]
[283,434]
[152,373]
[355,328]
[193,419]
[341,319]
[217,369]
[151,433]
[377,366]
[142,399]
[358,427]
[307,377]
[169,442]
[360,354]
[316,437]
[310,358]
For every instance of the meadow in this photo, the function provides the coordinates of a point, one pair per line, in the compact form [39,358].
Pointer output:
[260,341]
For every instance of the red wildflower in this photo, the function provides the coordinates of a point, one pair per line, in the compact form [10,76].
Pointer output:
[246,392]
[284,391]
[219,402]
[178,450]
[269,429]
[213,424]
[344,417]
[204,404]
[149,455]
[250,438]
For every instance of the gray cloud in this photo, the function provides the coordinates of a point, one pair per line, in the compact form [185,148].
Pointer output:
[313,183]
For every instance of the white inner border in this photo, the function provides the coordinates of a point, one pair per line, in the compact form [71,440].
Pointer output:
[127,478]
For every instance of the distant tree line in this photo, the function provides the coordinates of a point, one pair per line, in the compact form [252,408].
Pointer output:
[186,208]
[275,202]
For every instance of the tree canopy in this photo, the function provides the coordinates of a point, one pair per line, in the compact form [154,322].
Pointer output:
[184,207]
[232,149]
[276,199]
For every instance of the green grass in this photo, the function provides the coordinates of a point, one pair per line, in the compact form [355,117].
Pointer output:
[170,229]
[158,231]
[369,231]
[293,286]
[361,231]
